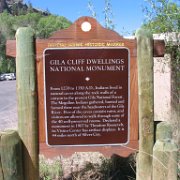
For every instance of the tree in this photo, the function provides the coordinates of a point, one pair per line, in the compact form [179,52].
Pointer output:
[92,9]
[43,26]
[30,7]
[108,13]
[4,66]
[6,24]
[49,24]
[29,19]
[11,65]
[162,16]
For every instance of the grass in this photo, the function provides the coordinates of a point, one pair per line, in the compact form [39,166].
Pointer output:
[110,169]
[114,168]
[50,170]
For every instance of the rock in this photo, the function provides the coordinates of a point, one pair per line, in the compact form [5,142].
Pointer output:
[3,6]
[15,6]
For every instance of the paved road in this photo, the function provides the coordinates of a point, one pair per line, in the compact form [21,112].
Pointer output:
[8,105]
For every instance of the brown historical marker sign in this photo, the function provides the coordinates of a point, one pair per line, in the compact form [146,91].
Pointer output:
[81,93]
[87,96]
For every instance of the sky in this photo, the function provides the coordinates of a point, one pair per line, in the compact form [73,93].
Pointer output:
[127,14]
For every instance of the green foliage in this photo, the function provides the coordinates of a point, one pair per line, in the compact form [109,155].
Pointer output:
[43,26]
[162,16]
[6,23]
[30,8]
[15,10]
[7,66]
[30,19]
[108,15]
[107,12]
[50,170]
[175,64]
[115,168]
[49,24]
[3,66]
[11,65]
[106,168]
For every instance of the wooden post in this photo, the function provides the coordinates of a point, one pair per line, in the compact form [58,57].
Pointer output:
[164,154]
[27,100]
[146,98]
[11,156]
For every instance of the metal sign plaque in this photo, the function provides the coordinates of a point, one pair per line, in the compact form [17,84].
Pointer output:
[87,96]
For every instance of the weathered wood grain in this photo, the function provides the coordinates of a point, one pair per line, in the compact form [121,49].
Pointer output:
[165,154]
[146,104]
[27,100]
[11,156]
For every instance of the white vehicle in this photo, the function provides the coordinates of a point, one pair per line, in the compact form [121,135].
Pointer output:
[10,76]
[2,77]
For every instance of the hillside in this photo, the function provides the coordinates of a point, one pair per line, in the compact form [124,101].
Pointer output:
[17,7]
[15,14]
